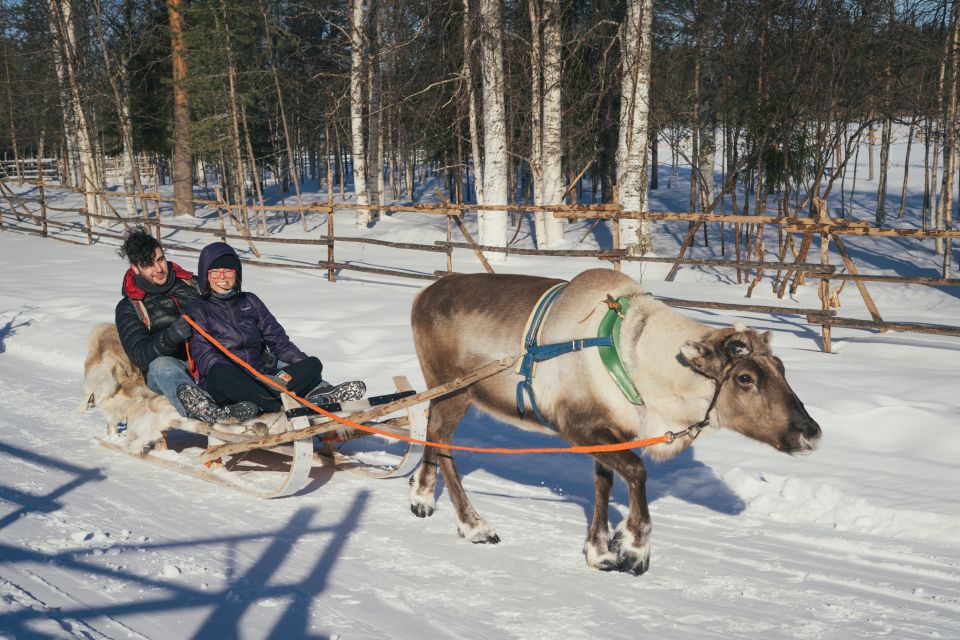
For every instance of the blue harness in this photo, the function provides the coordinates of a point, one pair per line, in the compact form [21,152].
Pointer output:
[536,352]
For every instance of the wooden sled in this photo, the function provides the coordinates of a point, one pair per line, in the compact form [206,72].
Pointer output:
[283,470]
[261,458]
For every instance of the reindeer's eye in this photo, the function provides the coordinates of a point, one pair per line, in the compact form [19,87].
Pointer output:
[745,379]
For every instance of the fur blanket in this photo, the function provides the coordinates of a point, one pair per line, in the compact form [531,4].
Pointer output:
[115,386]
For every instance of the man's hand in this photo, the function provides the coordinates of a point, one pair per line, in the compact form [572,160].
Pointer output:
[179,331]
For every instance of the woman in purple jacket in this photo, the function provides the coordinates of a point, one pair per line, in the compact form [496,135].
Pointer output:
[242,323]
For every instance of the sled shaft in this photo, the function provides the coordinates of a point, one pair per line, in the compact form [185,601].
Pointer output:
[487,370]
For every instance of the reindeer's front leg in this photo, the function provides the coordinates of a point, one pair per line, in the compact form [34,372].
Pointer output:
[631,540]
[596,549]
[629,549]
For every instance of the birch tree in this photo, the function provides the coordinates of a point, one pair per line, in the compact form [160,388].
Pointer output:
[493,224]
[64,30]
[375,153]
[357,107]
[471,98]
[635,47]
[552,150]
[120,87]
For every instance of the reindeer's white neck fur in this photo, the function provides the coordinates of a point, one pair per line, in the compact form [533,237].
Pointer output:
[675,396]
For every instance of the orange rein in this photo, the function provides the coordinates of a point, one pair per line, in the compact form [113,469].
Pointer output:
[597,448]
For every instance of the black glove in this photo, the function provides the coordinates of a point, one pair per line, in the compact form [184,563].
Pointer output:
[179,331]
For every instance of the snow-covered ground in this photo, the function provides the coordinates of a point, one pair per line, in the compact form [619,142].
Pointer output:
[860,539]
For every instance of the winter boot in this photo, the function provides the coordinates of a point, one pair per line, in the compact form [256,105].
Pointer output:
[241,412]
[199,404]
[325,393]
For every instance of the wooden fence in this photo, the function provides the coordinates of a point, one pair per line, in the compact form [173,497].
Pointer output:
[30,214]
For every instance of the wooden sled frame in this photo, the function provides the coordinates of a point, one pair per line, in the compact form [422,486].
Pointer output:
[301,451]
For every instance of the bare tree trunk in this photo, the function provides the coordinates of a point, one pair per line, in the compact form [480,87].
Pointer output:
[950,145]
[906,170]
[636,40]
[182,152]
[254,174]
[70,155]
[121,97]
[294,174]
[90,183]
[327,150]
[552,139]
[885,141]
[536,119]
[493,224]
[926,207]
[240,165]
[471,108]
[409,160]
[10,112]
[357,106]
[375,119]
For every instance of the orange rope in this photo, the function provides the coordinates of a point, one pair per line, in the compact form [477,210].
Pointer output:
[597,448]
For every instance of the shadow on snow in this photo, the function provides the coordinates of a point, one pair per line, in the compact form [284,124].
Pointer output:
[227,605]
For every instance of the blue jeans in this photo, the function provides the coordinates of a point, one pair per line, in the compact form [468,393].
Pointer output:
[165,374]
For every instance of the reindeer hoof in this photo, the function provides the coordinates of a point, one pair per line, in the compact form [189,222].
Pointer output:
[480,533]
[632,558]
[421,510]
[599,557]
[486,539]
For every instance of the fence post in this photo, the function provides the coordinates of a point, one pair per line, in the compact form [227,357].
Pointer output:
[446,214]
[825,292]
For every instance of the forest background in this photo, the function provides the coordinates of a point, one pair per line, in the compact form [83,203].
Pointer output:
[540,102]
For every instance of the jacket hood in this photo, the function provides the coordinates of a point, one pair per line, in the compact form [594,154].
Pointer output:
[134,291]
[208,256]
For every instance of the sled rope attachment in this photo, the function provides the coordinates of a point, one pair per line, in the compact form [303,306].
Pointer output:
[490,369]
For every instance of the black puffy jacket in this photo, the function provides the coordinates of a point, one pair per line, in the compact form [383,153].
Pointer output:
[163,305]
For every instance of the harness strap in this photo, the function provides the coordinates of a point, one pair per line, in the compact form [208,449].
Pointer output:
[537,353]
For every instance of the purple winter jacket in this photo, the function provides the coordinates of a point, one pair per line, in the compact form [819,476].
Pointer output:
[243,324]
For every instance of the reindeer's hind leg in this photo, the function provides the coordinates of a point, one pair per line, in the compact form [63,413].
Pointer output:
[597,546]
[445,415]
[423,483]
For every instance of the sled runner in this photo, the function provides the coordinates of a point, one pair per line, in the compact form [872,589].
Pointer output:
[284,469]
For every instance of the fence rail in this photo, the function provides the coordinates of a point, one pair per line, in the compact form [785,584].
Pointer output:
[30,215]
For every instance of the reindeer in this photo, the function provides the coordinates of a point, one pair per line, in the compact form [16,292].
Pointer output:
[686,375]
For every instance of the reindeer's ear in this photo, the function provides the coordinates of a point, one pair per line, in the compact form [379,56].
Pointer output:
[701,357]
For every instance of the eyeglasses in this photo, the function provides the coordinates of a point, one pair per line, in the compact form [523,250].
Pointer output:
[221,273]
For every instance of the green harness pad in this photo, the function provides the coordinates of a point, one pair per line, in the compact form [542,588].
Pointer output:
[610,355]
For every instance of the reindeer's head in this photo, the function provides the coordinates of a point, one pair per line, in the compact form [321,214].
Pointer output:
[753,397]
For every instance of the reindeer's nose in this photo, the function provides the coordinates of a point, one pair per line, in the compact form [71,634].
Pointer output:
[808,430]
